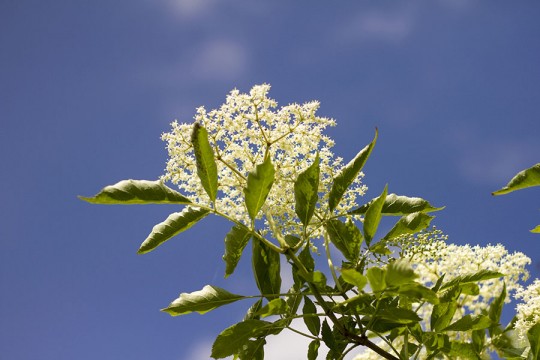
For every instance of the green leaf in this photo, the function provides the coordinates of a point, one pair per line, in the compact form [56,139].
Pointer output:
[306,259]
[204,158]
[418,292]
[306,192]
[253,310]
[409,224]
[275,307]
[443,313]
[524,179]
[259,183]
[478,276]
[534,340]
[317,278]
[536,229]
[468,322]
[310,317]
[313,350]
[346,238]
[376,277]
[266,268]
[127,192]
[463,351]
[347,175]
[174,224]
[354,277]
[400,205]
[233,339]
[252,350]
[373,216]
[235,242]
[328,336]
[399,315]
[399,272]
[202,301]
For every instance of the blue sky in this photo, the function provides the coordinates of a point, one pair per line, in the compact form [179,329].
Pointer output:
[87,87]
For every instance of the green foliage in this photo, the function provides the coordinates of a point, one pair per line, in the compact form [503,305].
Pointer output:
[235,242]
[204,157]
[128,192]
[172,226]
[202,301]
[379,295]
[347,175]
[306,192]
[259,183]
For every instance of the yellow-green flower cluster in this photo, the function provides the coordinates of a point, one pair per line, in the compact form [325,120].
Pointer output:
[242,132]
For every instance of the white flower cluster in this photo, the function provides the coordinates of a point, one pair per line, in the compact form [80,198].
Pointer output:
[242,132]
[528,312]
[438,258]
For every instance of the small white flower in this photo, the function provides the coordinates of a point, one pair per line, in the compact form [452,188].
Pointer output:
[528,311]
[241,131]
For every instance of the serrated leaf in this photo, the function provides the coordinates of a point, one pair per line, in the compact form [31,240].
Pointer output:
[266,268]
[328,336]
[259,183]
[443,313]
[376,278]
[234,338]
[306,192]
[524,179]
[310,317]
[400,205]
[174,224]
[354,277]
[235,242]
[127,192]
[399,272]
[399,315]
[346,238]
[409,224]
[275,307]
[204,158]
[373,216]
[478,276]
[468,322]
[202,301]
[418,292]
[347,175]
[313,350]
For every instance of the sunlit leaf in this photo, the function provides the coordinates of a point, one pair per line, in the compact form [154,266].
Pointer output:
[202,301]
[347,175]
[418,292]
[354,277]
[275,307]
[234,338]
[346,238]
[524,179]
[469,322]
[252,350]
[477,276]
[373,216]
[376,278]
[174,224]
[235,242]
[306,192]
[399,272]
[266,268]
[204,158]
[127,192]
[259,183]
[536,229]
[400,205]
[409,224]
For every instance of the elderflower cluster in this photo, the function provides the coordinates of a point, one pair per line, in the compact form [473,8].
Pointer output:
[242,132]
[438,258]
[528,311]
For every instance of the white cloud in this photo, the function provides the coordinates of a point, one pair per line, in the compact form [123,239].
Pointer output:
[378,26]
[220,60]
[191,9]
